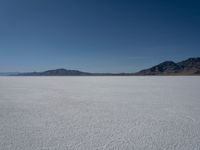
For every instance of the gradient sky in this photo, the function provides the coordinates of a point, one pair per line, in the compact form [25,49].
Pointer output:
[96,35]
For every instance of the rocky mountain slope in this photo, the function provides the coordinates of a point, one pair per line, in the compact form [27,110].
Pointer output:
[190,66]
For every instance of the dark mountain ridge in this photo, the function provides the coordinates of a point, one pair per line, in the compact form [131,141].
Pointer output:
[190,66]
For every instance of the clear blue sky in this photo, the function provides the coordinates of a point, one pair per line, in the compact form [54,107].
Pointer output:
[96,35]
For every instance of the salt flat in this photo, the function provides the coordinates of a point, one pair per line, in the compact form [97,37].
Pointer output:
[96,113]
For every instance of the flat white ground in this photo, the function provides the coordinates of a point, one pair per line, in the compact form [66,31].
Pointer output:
[96,113]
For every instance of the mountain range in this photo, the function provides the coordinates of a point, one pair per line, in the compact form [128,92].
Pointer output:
[190,66]
[65,72]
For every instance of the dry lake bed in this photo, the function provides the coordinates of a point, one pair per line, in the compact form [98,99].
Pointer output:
[100,113]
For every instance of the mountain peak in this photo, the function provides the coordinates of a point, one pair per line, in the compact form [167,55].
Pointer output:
[187,67]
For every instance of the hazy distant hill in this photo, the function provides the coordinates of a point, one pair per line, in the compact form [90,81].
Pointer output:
[8,73]
[65,72]
[56,72]
[190,66]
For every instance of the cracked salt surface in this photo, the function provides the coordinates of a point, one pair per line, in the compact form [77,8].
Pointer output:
[96,113]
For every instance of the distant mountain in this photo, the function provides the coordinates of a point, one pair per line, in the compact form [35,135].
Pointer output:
[190,66]
[65,72]
[8,73]
[56,72]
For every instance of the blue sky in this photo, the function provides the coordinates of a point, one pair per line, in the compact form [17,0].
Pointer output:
[96,35]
